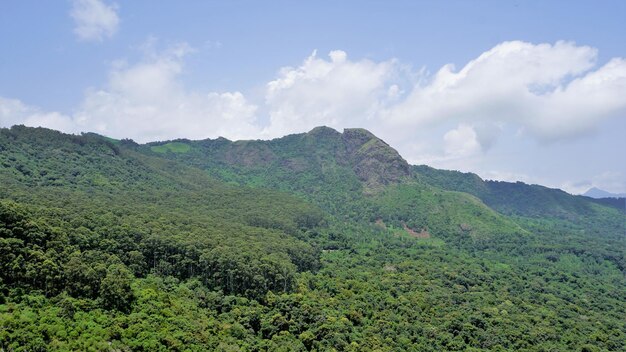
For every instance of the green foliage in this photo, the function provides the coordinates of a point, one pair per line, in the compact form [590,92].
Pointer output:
[509,198]
[310,244]
[115,288]
[149,215]
[174,147]
[448,215]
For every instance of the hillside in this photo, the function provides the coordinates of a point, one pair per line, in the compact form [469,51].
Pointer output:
[314,241]
[355,169]
[507,197]
[333,169]
[149,213]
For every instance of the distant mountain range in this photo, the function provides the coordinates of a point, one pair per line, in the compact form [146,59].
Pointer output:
[599,193]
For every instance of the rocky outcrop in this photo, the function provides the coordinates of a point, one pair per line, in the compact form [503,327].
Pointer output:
[249,154]
[320,153]
[374,161]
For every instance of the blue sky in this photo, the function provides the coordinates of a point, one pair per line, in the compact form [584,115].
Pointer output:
[536,91]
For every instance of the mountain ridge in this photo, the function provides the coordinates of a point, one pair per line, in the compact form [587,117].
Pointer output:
[374,161]
[340,168]
[597,193]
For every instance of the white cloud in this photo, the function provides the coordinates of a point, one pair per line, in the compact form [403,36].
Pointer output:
[579,106]
[94,20]
[545,92]
[549,91]
[461,142]
[13,112]
[147,101]
[336,92]
[610,181]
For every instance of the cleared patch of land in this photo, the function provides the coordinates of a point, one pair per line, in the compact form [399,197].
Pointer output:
[174,147]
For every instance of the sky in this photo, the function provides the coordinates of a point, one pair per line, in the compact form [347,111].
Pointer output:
[531,91]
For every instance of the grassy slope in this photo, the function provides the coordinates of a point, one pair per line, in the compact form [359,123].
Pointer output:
[174,147]
[560,219]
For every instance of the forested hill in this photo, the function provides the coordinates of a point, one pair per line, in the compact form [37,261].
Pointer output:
[311,242]
[357,176]
[83,202]
[354,158]
[514,198]
[335,170]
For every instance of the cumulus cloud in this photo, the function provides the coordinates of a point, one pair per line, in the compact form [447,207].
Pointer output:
[461,141]
[336,92]
[549,91]
[610,181]
[13,111]
[94,19]
[147,101]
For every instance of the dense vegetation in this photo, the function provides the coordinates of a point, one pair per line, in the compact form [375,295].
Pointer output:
[318,241]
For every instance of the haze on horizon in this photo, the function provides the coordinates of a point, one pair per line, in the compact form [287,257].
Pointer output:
[528,91]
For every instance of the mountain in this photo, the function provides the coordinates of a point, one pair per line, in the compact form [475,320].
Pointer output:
[353,175]
[338,170]
[598,193]
[323,152]
[614,200]
[323,240]
[511,198]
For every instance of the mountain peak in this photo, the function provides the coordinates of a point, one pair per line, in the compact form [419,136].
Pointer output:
[374,161]
[360,132]
[323,131]
[595,192]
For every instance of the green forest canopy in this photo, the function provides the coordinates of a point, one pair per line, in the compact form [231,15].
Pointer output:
[316,241]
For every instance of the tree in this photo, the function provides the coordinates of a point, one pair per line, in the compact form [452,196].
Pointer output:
[115,290]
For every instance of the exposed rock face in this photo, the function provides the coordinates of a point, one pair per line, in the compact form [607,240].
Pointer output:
[323,132]
[373,160]
[248,153]
[320,152]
